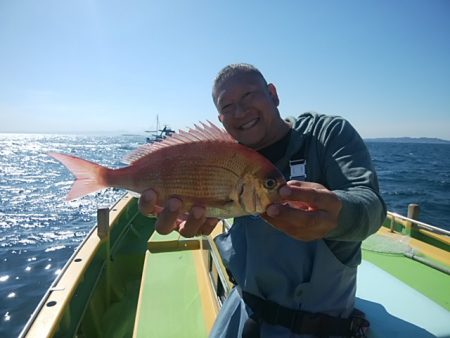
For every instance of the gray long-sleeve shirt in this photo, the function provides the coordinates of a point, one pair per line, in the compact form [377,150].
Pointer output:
[337,158]
[296,274]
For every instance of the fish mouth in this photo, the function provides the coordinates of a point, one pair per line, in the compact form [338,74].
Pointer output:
[249,124]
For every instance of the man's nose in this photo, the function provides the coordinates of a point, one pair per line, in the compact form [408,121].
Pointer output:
[241,110]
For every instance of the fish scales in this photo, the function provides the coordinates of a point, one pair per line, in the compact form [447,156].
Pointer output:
[178,172]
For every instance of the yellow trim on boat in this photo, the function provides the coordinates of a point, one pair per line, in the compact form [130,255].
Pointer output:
[210,305]
[171,242]
[440,238]
[60,295]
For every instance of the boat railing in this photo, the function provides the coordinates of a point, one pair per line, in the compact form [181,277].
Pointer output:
[393,217]
[414,228]
[100,228]
[55,283]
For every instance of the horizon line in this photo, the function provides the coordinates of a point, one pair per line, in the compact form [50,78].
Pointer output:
[143,133]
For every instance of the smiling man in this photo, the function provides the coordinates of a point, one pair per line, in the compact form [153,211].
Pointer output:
[247,108]
[294,266]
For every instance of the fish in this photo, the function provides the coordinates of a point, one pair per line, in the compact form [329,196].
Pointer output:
[203,166]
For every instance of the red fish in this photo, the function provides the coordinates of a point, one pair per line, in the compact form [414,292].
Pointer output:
[204,167]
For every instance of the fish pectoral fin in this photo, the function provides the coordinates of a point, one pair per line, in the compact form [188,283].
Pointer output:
[216,204]
[227,204]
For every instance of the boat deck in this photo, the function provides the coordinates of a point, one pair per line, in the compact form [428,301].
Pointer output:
[427,280]
[397,301]
[176,299]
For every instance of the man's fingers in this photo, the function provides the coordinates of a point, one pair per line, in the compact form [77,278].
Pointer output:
[208,226]
[167,220]
[308,225]
[194,222]
[147,202]
[170,217]
[284,214]
[312,194]
[309,212]
[305,184]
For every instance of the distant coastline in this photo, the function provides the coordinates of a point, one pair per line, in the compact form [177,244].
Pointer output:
[430,140]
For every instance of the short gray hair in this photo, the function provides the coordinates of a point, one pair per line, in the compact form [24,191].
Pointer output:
[233,69]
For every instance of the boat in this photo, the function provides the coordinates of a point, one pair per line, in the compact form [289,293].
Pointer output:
[126,280]
[159,134]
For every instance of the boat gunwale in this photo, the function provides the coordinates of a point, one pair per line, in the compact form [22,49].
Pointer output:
[393,216]
[90,236]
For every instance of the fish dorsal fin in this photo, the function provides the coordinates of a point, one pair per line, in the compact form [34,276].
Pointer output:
[203,133]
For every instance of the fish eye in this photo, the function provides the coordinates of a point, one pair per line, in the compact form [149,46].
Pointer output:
[270,183]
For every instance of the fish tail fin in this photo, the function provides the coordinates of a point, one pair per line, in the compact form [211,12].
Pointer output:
[89,176]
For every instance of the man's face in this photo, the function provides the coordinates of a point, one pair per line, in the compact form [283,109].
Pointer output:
[248,109]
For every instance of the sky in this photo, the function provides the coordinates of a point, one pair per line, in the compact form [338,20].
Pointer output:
[90,66]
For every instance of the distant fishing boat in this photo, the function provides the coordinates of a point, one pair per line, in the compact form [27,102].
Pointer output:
[159,134]
[126,280]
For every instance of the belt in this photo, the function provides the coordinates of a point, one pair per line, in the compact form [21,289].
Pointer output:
[302,322]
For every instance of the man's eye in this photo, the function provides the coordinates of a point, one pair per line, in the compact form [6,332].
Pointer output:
[247,97]
[227,109]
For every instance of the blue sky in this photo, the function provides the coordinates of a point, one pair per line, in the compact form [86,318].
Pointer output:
[91,66]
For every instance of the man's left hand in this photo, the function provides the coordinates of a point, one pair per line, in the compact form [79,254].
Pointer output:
[309,213]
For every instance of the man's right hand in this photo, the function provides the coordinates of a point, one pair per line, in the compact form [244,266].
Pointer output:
[196,223]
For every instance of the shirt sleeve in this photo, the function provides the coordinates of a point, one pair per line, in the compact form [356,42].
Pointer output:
[349,172]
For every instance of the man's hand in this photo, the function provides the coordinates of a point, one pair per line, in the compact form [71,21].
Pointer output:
[310,211]
[170,217]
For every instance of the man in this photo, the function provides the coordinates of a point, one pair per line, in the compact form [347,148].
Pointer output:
[295,265]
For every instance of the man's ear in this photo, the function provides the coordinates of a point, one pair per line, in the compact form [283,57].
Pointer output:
[273,94]
[220,117]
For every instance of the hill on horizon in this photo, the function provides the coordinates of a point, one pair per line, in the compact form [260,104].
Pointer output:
[433,140]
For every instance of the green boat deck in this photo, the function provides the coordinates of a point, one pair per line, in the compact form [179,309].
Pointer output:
[430,282]
[395,257]
[402,296]
[173,301]
[395,309]
[170,304]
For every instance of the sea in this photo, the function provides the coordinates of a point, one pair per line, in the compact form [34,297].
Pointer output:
[39,229]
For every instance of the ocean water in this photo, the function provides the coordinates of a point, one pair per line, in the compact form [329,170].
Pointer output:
[415,173]
[39,230]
